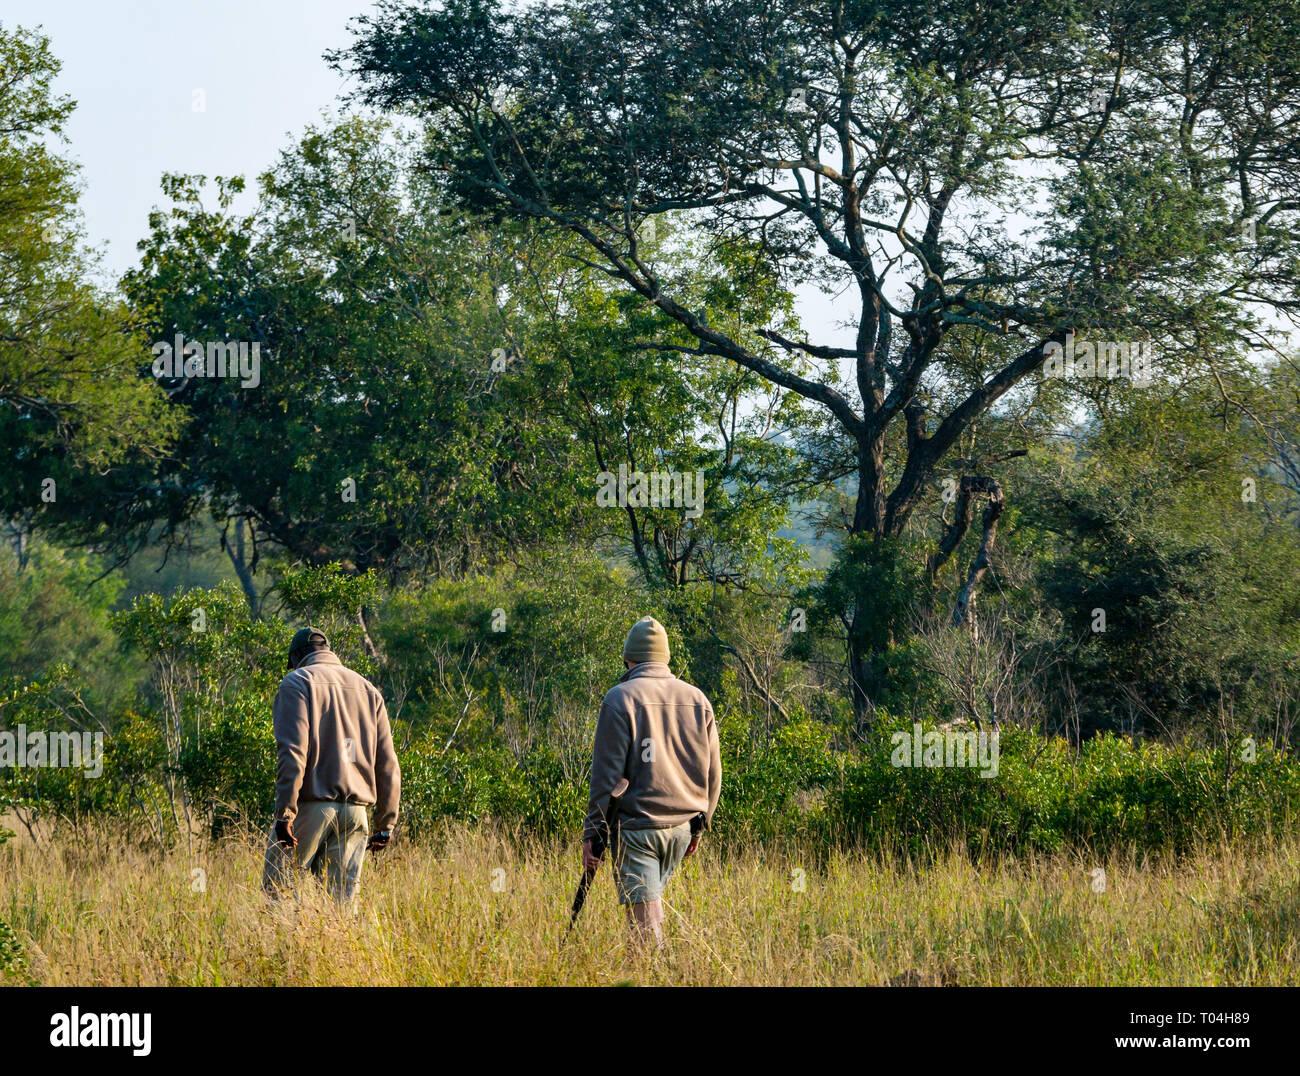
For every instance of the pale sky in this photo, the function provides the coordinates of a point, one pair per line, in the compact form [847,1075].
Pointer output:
[133,67]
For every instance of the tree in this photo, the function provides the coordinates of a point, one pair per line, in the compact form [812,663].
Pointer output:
[1162,549]
[719,431]
[70,402]
[881,146]
[470,378]
[388,427]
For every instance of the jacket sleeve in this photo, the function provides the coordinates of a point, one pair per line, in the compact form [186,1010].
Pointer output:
[608,761]
[715,771]
[388,774]
[289,718]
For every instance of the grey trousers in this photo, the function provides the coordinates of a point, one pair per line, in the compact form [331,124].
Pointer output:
[331,844]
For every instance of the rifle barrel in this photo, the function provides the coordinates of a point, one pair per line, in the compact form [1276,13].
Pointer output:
[599,842]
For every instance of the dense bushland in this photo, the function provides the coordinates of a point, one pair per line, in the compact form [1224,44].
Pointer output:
[493,685]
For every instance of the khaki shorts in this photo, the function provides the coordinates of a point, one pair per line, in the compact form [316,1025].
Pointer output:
[645,859]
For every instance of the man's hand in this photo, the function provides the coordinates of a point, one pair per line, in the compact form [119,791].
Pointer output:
[697,828]
[589,862]
[379,841]
[284,833]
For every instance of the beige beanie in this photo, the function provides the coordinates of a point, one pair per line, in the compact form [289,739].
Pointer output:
[647,641]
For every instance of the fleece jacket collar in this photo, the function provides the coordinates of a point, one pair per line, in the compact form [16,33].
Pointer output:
[647,668]
[319,657]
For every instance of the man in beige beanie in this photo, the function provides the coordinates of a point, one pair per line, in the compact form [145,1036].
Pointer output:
[657,732]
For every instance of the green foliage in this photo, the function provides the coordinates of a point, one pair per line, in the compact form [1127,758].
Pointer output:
[529,795]
[54,609]
[231,770]
[13,956]
[70,400]
[471,320]
[594,116]
[776,786]
[381,434]
[493,684]
[1166,521]
[336,602]
[213,670]
[517,660]
[1110,794]
[889,570]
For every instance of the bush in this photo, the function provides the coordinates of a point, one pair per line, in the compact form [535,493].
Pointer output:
[1111,794]
[497,725]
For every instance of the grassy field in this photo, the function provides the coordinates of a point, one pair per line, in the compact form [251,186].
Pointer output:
[475,908]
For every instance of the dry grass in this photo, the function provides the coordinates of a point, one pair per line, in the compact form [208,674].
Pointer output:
[429,914]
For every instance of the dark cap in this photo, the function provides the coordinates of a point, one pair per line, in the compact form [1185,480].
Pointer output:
[305,637]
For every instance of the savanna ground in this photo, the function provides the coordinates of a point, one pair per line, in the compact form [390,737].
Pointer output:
[477,907]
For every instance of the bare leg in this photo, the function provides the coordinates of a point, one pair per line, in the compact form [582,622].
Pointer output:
[647,919]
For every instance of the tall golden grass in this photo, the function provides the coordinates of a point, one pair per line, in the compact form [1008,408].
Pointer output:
[476,906]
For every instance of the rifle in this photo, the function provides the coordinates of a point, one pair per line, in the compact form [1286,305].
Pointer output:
[603,838]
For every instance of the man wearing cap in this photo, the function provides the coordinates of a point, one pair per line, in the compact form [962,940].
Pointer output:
[335,758]
[659,733]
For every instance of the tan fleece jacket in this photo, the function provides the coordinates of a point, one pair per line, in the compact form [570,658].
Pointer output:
[659,733]
[333,741]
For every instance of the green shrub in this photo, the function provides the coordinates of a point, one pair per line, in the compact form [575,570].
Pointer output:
[494,683]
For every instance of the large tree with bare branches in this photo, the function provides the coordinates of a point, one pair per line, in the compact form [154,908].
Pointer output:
[973,180]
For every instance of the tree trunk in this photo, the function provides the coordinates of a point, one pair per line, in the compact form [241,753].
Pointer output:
[863,679]
[242,568]
[980,565]
[868,644]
